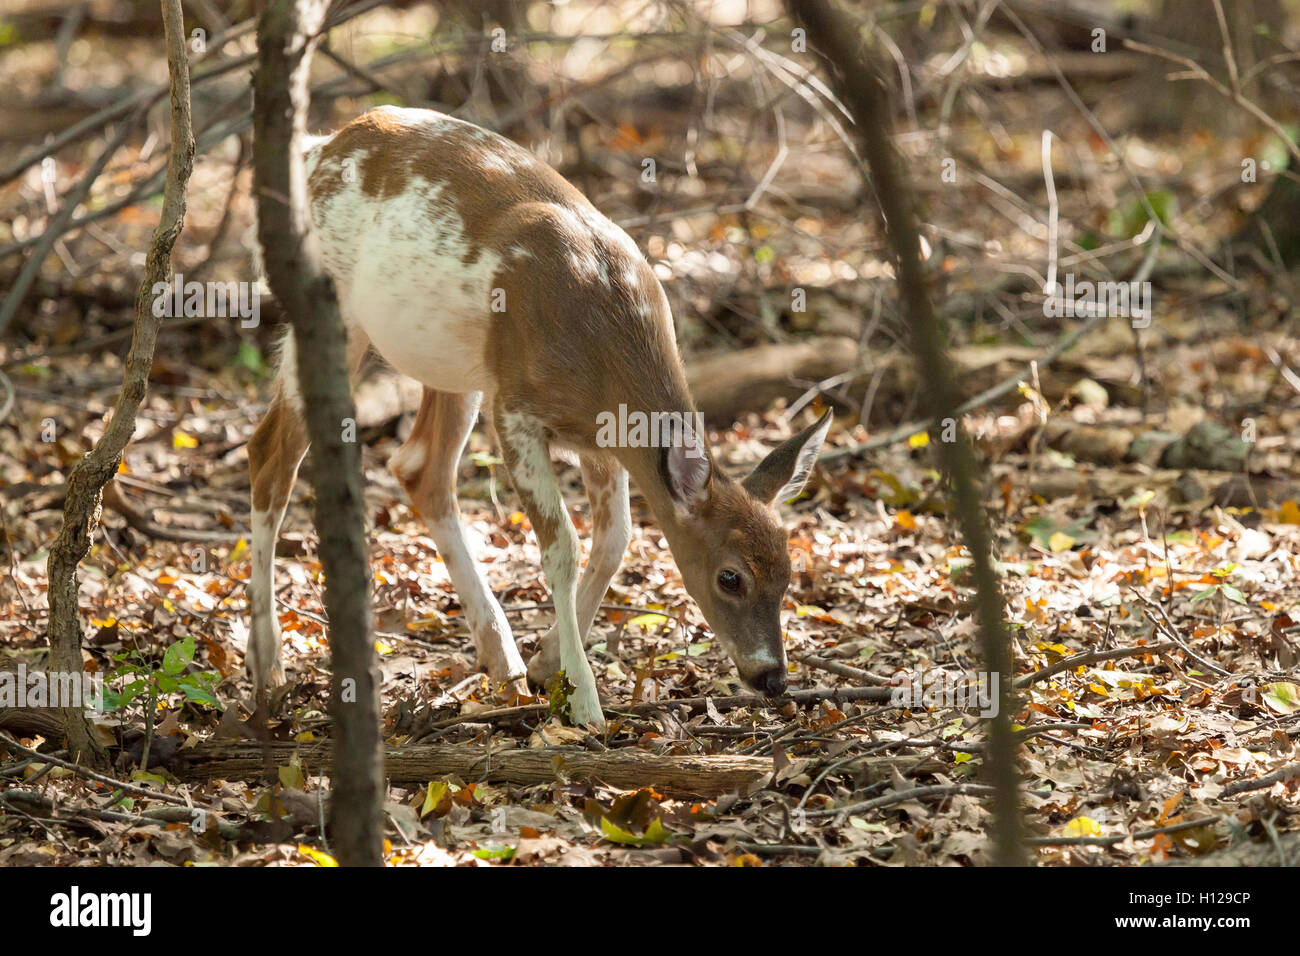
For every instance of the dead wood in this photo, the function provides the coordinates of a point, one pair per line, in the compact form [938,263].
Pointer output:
[1191,487]
[627,769]
[32,722]
[726,384]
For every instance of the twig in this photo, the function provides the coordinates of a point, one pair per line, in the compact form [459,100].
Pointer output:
[693,703]
[1259,783]
[74,197]
[843,670]
[7,405]
[1121,837]
[1198,72]
[87,479]
[150,817]
[1008,384]
[145,99]
[775,849]
[1118,153]
[91,774]
[1283,369]
[902,796]
[1092,657]
[1166,627]
[867,98]
[96,344]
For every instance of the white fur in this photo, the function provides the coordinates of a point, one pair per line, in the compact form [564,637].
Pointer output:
[263,650]
[398,264]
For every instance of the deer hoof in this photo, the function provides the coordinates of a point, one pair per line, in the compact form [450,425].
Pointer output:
[585,709]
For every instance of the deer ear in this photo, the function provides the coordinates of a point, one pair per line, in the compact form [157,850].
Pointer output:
[687,470]
[782,474]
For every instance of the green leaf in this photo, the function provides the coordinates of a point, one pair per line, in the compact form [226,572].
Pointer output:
[495,852]
[1232,594]
[156,779]
[558,689]
[200,694]
[1283,697]
[433,796]
[291,776]
[654,834]
[860,824]
[178,656]
[112,699]
[250,357]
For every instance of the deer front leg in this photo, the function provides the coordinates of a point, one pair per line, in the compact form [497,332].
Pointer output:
[606,484]
[527,456]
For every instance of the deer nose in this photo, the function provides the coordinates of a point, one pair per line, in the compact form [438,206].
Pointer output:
[771,683]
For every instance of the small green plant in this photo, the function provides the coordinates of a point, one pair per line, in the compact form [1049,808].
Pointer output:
[147,683]
[1222,588]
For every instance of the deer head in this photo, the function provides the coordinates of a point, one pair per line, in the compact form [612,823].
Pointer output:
[731,547]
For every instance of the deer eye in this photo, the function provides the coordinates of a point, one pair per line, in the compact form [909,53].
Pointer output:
[729,581]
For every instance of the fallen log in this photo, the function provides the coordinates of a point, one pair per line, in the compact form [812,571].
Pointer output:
[628,769]
[728,383]
[1191,487]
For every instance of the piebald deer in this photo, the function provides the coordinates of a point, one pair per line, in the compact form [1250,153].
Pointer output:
[477,270]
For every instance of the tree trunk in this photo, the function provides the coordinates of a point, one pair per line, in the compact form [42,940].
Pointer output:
[287,32]
[84,498]
[863,91]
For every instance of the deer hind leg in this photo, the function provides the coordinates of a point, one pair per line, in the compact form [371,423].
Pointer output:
[426,466]
[275,451]
[274,454]
[606,484]
[526,451]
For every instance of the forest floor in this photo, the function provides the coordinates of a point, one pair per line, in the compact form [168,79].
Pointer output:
[1137,559]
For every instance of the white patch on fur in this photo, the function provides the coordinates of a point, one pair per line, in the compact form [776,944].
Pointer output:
[407,461]
[289,370]
[312,146]
[630,277]
[408,115]
[610,544]
[612,234]
[497,162]
[532,471]
[585,266]
[399,264]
